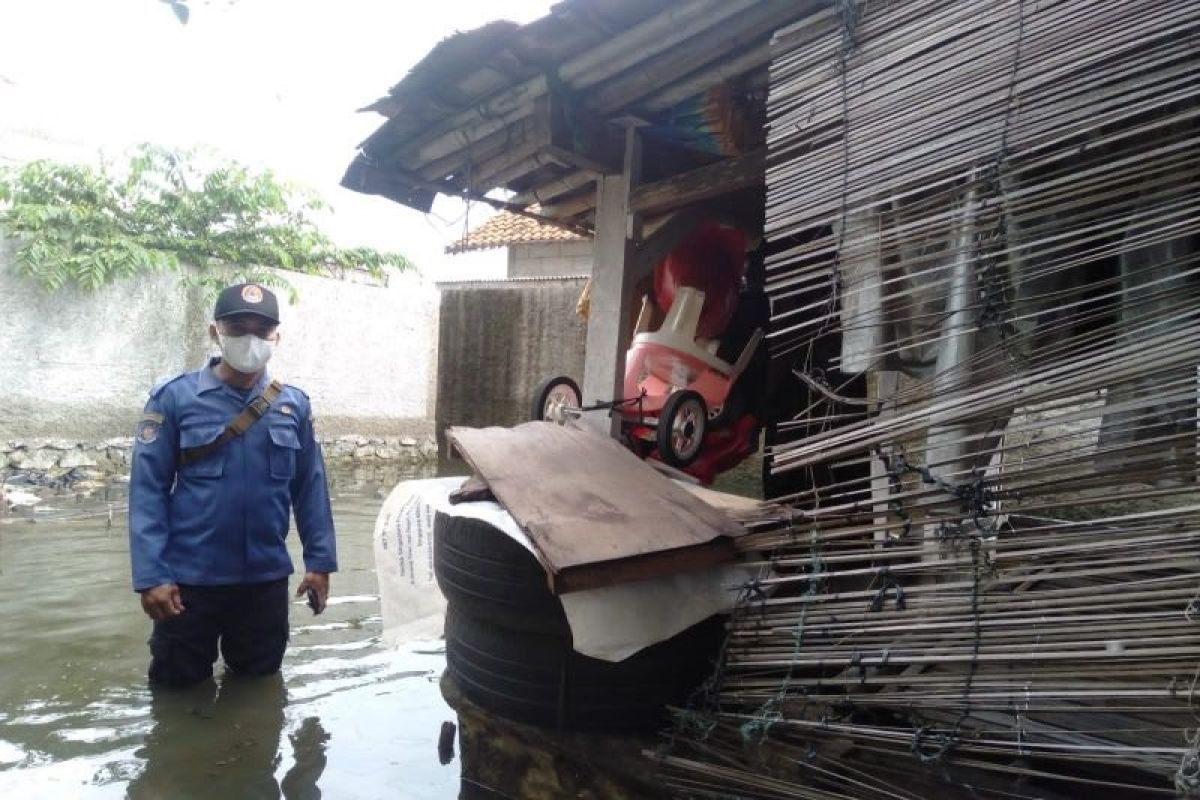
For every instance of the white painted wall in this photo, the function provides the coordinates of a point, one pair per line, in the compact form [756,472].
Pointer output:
[550,259]
[366,355]
[77,365]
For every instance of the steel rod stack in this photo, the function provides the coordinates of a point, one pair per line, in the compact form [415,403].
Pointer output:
[987,583]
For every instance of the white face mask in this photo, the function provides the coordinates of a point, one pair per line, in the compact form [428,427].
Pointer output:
[248,354]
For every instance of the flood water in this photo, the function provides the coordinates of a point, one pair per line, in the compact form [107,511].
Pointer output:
[348,717]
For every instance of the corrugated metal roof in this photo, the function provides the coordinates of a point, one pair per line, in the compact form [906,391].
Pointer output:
[506,228]
[467,70]
[530,108]
[471,65]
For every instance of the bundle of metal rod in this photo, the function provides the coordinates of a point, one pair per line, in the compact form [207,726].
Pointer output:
[1037,658]
[1039,138]
[987,581]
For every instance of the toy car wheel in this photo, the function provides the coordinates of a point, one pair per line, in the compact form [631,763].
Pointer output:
[681,428]
[553,397]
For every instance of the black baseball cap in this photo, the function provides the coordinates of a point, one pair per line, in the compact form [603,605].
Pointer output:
[247,298]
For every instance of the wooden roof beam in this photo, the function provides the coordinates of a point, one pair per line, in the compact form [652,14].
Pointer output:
[521,155]
[481,155]
[699,184]
[522,168]
[555,188]
[571,207]
[684,189]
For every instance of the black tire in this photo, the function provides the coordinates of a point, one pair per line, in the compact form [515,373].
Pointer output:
[537,657]
[542,681]
[510,617]
[545,389]
[538,704]
[684,413]
[488,576]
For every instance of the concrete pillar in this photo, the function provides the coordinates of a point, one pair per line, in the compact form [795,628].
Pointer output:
[946,452]
[609,316]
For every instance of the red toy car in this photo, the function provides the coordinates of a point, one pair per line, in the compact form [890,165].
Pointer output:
[681,401]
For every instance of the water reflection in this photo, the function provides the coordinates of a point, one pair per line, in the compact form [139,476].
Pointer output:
[200,733]
[308,751]
[223,740]
[348,718]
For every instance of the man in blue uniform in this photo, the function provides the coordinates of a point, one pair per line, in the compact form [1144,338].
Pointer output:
[221,457]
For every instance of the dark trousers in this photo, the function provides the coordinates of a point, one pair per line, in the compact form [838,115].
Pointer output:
[248,622]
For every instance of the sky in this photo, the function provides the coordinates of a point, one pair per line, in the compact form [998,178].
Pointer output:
[271,83]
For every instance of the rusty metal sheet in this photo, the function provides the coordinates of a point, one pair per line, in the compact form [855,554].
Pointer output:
[597,514]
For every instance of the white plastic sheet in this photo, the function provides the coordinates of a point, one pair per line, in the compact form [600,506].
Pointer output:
[611,623]
[411,605]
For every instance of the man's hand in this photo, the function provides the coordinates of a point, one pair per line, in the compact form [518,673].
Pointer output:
[318,581]
[162,602]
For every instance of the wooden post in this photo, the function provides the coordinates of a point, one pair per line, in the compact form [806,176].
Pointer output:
[609,318]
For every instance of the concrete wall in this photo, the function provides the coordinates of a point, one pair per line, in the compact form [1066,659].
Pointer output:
[366,355]
[550,259]
[77,365]
[498,341]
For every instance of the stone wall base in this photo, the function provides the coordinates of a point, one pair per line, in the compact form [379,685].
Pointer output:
[110,457]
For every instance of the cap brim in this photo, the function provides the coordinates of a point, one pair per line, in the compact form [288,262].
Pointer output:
[238,311]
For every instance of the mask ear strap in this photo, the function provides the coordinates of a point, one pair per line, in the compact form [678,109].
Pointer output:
[214,342]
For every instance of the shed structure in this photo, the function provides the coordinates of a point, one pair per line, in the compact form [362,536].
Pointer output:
[626,120]
[982,238]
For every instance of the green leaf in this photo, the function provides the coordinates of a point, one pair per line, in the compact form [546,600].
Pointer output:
[83,226]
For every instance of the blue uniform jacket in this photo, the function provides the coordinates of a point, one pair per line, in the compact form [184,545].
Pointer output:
[224,519]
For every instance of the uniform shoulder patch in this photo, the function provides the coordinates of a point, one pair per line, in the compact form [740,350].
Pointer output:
[302,409]
[148,428]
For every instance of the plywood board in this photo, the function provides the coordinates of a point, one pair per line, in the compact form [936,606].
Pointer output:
[597,514]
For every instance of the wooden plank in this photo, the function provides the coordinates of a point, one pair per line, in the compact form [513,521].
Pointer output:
[603,160]
[640,568]
[597,514]
[473,490]
[701,184]
[573,206]
[555,187]
[724,501]
[580,138]
[403,181]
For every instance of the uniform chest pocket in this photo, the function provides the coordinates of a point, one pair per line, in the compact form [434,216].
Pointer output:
[199,435]
[284,445]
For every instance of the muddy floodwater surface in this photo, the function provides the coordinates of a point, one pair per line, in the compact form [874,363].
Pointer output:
[347,718]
